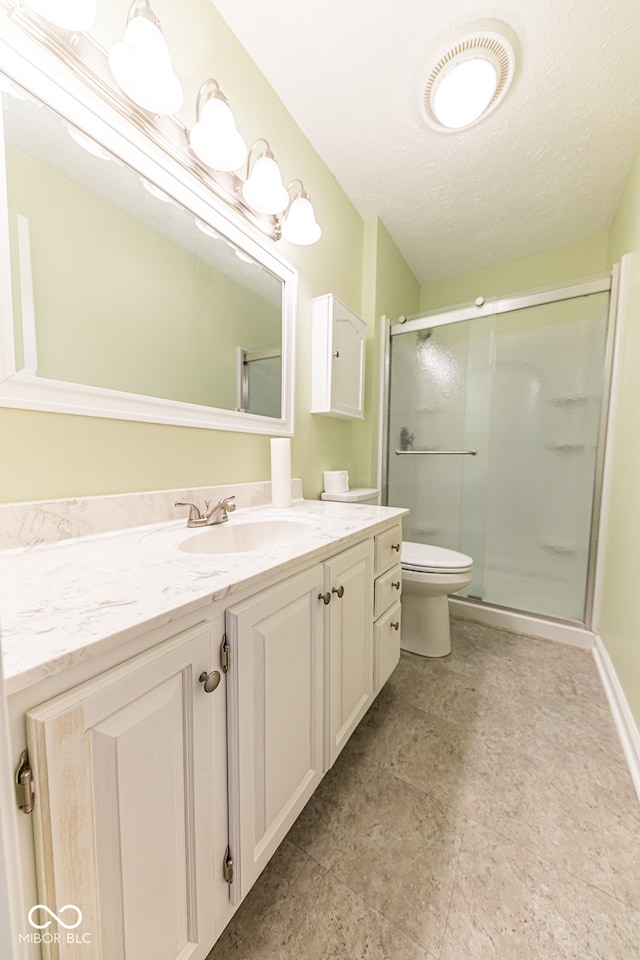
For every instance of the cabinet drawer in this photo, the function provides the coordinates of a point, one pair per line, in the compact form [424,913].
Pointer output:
[387,590]
[386,645]
[388,545]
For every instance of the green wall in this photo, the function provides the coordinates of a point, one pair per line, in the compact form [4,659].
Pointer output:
[550,268]
[619,620]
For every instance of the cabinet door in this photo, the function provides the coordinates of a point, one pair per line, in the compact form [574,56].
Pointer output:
[123,815]
[338,349]
[347,378]
[275,717]
[349,578]
[386,645]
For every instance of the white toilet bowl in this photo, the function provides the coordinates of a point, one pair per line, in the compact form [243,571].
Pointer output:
[429,575]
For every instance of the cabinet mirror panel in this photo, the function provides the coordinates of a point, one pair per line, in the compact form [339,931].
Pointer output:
[131,294]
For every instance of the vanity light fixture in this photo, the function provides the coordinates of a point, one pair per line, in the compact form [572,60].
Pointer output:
[141,65]
[214,137]
[87,143]
[206,229]
[138,70]
[263,189]
[155,191]
[68,14]
[470,78]
[299,224]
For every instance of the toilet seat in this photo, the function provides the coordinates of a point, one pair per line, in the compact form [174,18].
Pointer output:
[426,558]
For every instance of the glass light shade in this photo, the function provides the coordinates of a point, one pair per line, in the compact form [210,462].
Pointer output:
[215,139]
[141,67]
[264,190]
[464,93]
[68,14]
[300,225]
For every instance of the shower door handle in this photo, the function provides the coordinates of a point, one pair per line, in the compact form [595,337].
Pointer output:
[436,453]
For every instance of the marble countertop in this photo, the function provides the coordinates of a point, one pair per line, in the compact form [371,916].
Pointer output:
[63,603]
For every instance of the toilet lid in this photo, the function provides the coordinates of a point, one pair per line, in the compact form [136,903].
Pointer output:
[424,556]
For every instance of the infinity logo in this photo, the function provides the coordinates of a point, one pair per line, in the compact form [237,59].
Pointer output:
[67,926]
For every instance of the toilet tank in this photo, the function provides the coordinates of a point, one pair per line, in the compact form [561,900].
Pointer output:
[357,495]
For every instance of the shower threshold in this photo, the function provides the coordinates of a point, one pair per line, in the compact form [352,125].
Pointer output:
[571,632]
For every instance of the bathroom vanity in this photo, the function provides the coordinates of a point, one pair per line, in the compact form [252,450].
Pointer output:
[180,706]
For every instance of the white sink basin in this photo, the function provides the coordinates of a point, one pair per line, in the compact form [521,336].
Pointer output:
[243,536]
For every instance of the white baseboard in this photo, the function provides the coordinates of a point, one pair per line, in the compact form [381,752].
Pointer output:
[532,626]
[622,716]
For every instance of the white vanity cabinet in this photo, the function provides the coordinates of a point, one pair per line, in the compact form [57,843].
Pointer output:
[349,643]
[158,801]
[338,359]
[276,682]
[124,817]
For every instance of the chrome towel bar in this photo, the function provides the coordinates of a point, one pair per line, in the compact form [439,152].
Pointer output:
[436,453]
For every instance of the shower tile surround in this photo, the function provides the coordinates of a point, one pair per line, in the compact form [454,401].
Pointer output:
[80,577]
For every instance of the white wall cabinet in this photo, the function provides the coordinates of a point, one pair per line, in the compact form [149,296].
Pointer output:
[338,359]
[124,820]
[348,580]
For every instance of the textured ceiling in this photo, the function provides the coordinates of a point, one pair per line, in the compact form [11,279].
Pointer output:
[544,169]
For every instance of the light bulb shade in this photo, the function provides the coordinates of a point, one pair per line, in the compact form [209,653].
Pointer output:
[68,14]
[141,67]
[215,139]
[464,93]
[264,190]
[300,225]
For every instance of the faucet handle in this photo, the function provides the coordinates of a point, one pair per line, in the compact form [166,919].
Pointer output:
[228,504]
[194,513]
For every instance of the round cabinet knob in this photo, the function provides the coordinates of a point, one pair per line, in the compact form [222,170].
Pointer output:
[325,597]
[395,584]
[395,546]
[336,355]
[396,625]
[339,590]
[210,680]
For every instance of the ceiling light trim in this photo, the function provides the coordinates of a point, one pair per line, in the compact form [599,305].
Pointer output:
[490,45]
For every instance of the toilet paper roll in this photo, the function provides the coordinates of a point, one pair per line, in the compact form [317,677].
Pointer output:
[336,481]
[281,472]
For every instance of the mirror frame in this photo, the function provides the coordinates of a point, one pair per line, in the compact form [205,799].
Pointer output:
[75,102]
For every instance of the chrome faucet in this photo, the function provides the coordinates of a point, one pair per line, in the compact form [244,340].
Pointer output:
[217,514]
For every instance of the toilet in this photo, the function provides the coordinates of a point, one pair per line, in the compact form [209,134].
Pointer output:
[429,575]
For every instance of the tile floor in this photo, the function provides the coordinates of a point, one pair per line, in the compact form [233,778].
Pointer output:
[482,810]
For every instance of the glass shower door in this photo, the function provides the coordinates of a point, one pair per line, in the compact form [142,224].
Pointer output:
[438,435]
[524,389]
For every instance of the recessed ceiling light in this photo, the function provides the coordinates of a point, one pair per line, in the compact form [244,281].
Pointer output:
[469,79]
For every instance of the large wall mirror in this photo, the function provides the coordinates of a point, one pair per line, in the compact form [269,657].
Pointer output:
[130,293]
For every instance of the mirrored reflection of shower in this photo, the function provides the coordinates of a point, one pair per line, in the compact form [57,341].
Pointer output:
[524,388]
[260,381]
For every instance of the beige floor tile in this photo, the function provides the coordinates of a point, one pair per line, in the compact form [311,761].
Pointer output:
[387,841]
[309,916]
[509,904]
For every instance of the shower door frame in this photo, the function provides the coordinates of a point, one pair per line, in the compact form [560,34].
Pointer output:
[508,304]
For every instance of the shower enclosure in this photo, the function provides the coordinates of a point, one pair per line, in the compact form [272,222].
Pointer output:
[495,433]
